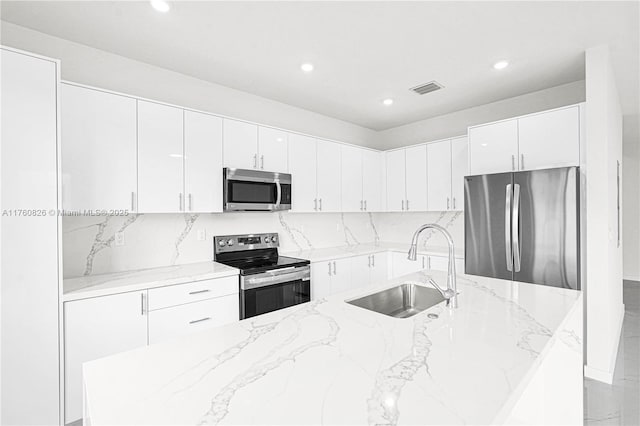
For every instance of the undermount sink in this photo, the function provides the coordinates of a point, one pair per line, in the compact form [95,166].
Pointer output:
[402,301]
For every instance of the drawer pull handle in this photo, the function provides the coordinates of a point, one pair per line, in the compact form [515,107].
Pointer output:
[199,291]
[199,320]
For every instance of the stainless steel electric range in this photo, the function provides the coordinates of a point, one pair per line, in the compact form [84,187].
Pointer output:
[268,281]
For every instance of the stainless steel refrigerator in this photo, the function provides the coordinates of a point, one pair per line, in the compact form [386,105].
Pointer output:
[524,226]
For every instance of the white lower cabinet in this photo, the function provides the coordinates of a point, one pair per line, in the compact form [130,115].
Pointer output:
[101,326]
[369,269]
[330,277]
[180,320]
[95,328]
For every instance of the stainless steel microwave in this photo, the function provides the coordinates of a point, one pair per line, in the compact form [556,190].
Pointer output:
[255,190]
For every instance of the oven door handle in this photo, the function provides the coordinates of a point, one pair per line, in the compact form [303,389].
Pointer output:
[279,193]
[248,282]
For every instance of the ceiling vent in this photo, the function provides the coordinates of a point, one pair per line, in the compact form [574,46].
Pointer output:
[429,87]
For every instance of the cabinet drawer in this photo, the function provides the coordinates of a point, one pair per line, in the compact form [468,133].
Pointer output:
[179,294]
[192,317]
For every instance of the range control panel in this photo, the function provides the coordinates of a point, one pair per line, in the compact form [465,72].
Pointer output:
[227,243]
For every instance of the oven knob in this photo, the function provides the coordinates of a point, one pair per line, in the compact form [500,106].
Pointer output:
[221,243]
[274,239]
[230,242]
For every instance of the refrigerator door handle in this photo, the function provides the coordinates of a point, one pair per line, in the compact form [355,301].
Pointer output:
[507,228]
[516,228]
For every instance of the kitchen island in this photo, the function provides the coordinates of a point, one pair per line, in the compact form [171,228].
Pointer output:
[511,353]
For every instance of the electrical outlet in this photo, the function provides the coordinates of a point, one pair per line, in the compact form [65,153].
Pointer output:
[202,235]
[120,238]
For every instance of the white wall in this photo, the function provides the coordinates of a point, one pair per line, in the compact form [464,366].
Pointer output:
[456,123]
[603,289]
[87,65]
[631,196]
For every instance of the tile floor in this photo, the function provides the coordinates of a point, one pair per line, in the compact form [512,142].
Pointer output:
[619,403]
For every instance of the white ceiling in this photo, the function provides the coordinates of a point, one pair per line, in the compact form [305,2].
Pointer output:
[363,52]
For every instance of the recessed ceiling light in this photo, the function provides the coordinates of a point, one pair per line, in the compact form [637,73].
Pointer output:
[306,67]
[160,5]
[500,65]
[388,101]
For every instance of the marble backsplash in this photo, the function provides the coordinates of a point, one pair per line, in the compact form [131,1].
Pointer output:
[154,240]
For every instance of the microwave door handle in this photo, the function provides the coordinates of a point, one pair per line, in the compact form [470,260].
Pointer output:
[279,193]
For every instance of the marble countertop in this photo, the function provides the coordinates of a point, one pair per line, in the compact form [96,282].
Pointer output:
[330,253]
[329,362]
[120,282]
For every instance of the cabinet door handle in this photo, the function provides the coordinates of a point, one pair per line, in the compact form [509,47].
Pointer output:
[133,201]
[365,205]
[373,260]
[199,320]
[180,201]
[199,291]
[403,205]
[142,304]
[315,204]
[329,264]
[255,161]
[429,262]
[513,162]
[262,162]
[454,203]
[361,205]
[190,203]
[407,205]
[334,267]
[320,204]
[521,161]
[369,261]
[447,203]
[422,262]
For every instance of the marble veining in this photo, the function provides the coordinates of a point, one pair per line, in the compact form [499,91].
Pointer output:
[189,220]
[372,223]
[158,240]
[292,232]
[531,327]
[349,238]
[383,403]
[329,362]
[99,243]
[220,402]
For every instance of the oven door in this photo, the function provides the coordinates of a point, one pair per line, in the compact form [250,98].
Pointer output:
[254,190]
[273,290]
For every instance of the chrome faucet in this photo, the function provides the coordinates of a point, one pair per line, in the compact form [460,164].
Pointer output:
[451,292]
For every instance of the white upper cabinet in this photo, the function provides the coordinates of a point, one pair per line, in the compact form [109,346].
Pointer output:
[439,175]
[98,149]
[328,176]
[459,169]
[202,162]
[372,176]
[493,148]
[272,150]
[537,141]
[302,156]
[160,158]
[416,178]
[550,139]
[396,188]
[352,199]
[240,144]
